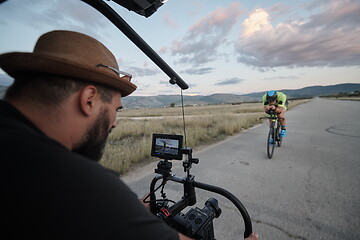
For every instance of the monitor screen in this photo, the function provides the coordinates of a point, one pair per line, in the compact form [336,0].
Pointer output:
[167,146]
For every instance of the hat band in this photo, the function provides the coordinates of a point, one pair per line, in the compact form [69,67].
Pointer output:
[117,71]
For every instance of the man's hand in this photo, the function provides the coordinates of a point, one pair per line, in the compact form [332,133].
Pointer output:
[267,108]
[183,237]
[253,236]
[272,107]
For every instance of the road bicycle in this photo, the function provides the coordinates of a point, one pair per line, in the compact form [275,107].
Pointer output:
[274,133]
[196,223]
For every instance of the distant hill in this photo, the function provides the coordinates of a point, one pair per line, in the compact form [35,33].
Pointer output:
[315,91]
[166,100]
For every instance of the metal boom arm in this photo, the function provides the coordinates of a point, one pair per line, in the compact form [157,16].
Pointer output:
[120,23]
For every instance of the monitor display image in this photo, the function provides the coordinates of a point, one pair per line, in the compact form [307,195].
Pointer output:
[167,146]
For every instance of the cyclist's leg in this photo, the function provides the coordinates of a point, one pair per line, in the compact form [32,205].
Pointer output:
[281,114]
[280,111]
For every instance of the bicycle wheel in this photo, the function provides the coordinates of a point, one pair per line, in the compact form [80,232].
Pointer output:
[271,145]
[278,137]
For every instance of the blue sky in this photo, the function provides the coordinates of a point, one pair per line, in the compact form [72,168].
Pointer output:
[216,46]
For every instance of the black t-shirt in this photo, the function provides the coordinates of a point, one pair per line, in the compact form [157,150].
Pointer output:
[48,192]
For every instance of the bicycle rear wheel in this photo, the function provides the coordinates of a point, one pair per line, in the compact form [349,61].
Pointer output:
[271,145]
[278,137]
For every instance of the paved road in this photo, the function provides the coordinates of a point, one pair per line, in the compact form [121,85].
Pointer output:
[310,189]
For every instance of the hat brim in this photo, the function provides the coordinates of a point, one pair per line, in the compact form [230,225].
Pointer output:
[17,64]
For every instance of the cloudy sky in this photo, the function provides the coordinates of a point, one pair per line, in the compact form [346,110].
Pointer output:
[215,46]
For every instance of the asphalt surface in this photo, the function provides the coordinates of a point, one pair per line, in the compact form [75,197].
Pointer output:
[310,189]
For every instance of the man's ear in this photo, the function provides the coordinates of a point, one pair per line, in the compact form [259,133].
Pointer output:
[88,98]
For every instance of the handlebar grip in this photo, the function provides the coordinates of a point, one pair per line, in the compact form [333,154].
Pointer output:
[234,200]
[152,194]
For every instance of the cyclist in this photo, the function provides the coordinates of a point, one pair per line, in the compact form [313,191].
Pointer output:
[278,102]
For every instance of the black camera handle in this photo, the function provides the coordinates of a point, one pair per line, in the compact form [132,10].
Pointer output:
[189,197]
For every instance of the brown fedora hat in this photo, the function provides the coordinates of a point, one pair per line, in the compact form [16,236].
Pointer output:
[69,54]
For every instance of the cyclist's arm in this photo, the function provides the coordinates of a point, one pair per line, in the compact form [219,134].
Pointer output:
[282,100]
[282,105]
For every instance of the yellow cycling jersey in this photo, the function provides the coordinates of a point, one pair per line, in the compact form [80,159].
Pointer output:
[280,101]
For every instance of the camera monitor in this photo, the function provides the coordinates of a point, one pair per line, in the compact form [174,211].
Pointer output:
[167,146]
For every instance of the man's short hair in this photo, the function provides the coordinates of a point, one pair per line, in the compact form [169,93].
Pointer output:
[52,90]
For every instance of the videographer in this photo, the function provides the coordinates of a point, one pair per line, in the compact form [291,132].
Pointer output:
[54,123]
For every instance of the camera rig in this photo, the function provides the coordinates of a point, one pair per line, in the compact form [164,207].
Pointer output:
[196,223]
[142,7]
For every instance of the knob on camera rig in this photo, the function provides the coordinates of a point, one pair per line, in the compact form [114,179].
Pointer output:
[196,223]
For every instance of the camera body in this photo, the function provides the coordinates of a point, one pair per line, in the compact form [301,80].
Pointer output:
[196,223]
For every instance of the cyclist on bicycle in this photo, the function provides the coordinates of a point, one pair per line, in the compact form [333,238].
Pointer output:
[277,102]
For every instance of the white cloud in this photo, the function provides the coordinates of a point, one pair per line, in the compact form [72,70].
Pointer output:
[142,71]
[328,38]
[201,42]
[257,21]
[198,71]
[231,81]
[169,21]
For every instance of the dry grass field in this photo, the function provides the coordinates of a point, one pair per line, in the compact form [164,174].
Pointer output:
[346,98]
[130,143]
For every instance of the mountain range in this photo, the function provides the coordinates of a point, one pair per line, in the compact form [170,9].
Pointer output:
[167,100]
[131,102]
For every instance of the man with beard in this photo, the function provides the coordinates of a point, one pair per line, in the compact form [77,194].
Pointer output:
[54,120]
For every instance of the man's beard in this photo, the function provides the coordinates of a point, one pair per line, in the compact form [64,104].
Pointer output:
[93,142]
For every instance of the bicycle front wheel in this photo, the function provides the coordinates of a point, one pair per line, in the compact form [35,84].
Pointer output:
[271,142]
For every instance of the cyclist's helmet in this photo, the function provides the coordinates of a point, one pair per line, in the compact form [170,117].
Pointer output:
[271,96]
